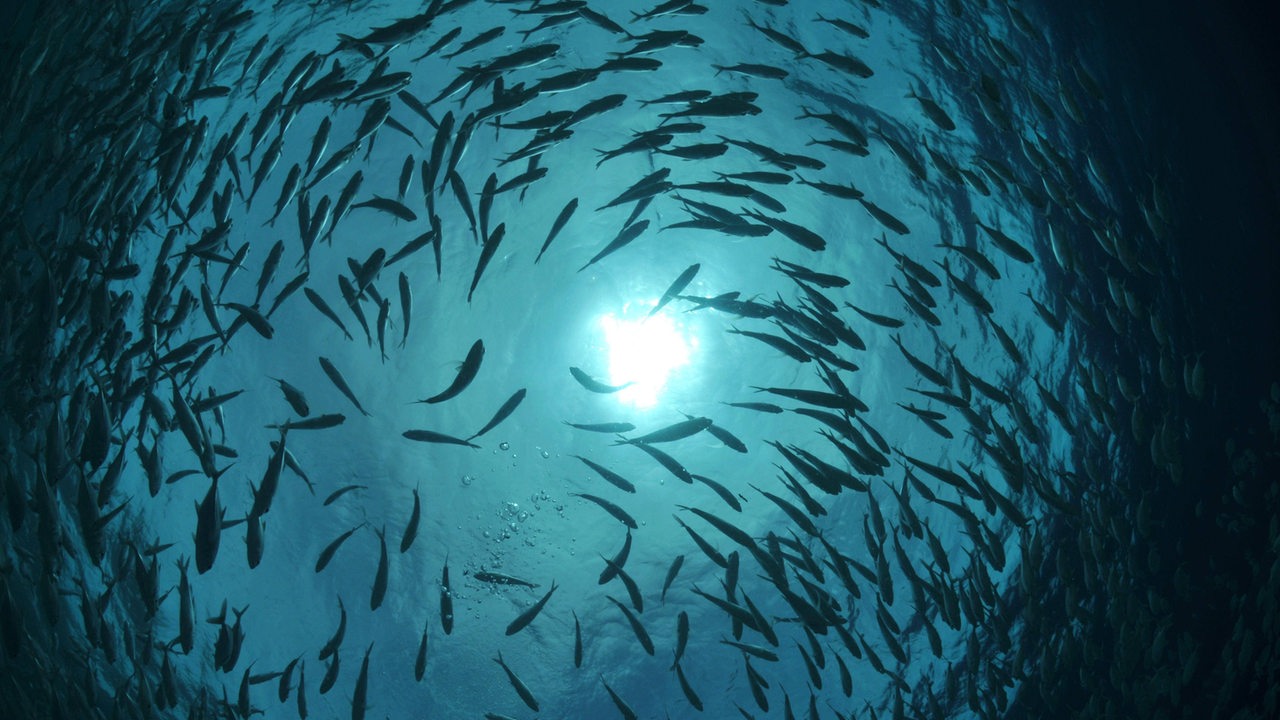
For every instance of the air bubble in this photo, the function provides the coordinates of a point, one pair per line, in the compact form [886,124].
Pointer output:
[504,446]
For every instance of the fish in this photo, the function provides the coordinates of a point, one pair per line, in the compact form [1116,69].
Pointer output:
[845,25]
[753,69]
[287,191]
[503,412]
[609,428]
[757,406]
[623,238]
[330,674]
[672,465]
[753,650]
[431,436]
[487,250]
[286,679]
[209,518]
[788,348]
[319,422]
[688,691]
[697,151]
[420,661]
[798,234]
[289,289]
[1006,244]
[611,508]
[676,287]
[623,707]
[557,225]
[335,163]
[379,591]
[521,689]
[360,695]
[521,181]
[335,640]
[671,433]
[577,641]
[402,29]
[500,579]
[612,477]
[594,385]
[411,527]
[706,547]
[255,318]
[682,636]
[637,627]
[629,64]
[446,600]
[934,112]
[967,291]
[333,496]
[646,187]
[319,304]
[389,206]
[253,540]
[527,616]
[886,219]
[481,38]
[467,372]
[782,39]
[728,497]
[326,555]
[682,96]
[302,690]
[186,610]
[340,382]
[618,561]
[633,590]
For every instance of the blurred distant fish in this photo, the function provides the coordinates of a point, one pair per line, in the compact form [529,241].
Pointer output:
[594,385]
[610,428]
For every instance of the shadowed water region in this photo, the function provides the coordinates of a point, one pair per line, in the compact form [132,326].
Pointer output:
[512,359]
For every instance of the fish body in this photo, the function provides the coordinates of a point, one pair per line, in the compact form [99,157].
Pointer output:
[431,436]
[521,689]
[523,619]
[500,579]
[326,555]
[466,373]
[411,528]
[379,591]
[594,385]
[340,382]
[611,508]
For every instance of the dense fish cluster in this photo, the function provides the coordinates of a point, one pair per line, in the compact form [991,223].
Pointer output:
[926,464]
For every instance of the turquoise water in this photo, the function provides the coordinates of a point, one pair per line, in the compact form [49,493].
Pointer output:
[1020,476]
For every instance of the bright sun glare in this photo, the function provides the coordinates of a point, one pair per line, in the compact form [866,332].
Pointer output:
[644,351]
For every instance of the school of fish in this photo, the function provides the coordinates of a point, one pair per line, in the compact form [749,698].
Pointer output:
[938,487]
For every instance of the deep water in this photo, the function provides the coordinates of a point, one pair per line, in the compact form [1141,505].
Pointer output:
[793,359]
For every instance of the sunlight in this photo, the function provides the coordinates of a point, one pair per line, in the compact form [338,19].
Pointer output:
[644,351]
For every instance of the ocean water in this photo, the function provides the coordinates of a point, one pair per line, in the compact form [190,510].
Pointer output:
[842,359]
